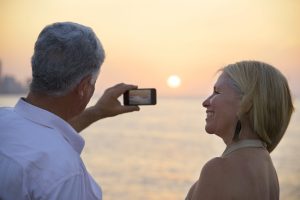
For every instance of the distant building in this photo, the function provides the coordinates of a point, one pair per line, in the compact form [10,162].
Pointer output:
[9,85]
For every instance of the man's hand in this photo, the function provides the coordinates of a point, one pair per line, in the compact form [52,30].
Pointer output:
[107,106]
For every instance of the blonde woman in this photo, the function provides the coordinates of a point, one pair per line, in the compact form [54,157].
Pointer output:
[250,109]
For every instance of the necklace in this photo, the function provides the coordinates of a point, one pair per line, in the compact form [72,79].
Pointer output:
[243,144]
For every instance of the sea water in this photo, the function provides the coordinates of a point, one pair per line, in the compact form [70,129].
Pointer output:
[158,152]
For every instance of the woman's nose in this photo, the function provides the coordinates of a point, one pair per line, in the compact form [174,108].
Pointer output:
[206,102]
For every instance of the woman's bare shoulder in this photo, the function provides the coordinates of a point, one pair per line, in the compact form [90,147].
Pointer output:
[212,181]
[215,169]
[232,177]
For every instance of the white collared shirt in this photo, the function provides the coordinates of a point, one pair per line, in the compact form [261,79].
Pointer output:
[40,157]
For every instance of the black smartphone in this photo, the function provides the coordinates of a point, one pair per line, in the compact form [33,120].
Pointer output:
[143,96]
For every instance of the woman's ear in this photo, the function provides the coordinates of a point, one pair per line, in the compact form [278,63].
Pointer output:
[245,106]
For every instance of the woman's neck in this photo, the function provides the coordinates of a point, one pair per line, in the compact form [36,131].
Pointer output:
[246,133]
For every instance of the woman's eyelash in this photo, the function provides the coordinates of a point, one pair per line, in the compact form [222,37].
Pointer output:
[215,91]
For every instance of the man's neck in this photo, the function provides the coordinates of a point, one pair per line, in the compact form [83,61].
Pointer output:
[53,104]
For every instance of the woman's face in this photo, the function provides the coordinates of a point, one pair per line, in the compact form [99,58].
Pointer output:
[221,108]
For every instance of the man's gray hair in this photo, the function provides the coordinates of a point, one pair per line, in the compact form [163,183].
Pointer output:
[64,53]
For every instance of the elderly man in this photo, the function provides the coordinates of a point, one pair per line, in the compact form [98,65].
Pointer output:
[39,142]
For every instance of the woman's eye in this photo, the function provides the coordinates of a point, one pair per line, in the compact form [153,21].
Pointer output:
[216,91]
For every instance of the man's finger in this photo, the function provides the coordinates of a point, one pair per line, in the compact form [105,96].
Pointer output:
[120,88]
[126,109]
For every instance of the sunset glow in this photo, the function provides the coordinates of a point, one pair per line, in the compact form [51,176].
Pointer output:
[174,81]
[146,41]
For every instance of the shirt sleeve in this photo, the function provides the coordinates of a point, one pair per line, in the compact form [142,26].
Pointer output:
[11,179]
[74,188]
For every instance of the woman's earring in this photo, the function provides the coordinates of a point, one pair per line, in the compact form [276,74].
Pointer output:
[237,131]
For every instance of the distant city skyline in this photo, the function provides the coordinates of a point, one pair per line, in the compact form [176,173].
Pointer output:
[9,85]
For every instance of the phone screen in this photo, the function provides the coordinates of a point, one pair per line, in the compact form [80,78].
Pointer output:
[145,96]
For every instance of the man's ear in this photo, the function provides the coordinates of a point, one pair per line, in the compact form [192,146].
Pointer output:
[83,85]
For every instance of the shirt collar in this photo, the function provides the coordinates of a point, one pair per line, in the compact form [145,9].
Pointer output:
[48,119]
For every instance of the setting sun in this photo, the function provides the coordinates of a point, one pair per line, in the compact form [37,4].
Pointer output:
[174,81]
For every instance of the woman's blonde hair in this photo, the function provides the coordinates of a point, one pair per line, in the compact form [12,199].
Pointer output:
[266,99]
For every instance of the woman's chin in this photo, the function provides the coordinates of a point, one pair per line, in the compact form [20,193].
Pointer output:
[209,130]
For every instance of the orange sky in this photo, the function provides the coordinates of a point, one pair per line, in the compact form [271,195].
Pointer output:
[146,41]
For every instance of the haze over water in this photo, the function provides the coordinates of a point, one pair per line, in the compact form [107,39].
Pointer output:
[158,153]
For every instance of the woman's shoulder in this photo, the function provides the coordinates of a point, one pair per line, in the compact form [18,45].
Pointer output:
[221,170]
[214,169]
[212,181]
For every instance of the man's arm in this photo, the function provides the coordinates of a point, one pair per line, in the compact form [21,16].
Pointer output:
[107,106]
